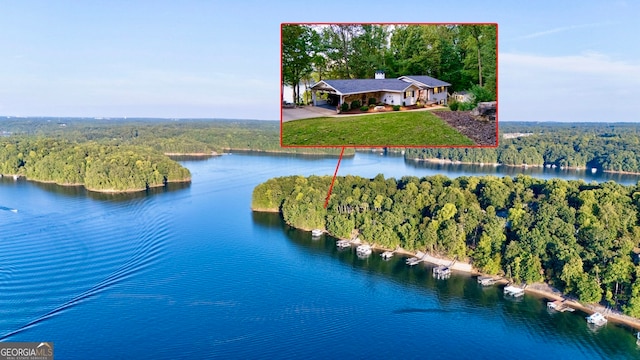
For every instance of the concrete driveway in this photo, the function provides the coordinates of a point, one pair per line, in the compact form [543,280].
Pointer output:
[305,112]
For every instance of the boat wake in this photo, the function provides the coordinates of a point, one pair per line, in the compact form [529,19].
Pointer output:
[8,209]
[141,249]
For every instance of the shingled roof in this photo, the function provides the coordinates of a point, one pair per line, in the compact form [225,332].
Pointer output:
[425,80]
[357,86]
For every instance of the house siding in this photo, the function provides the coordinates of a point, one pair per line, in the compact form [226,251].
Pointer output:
[392,98]
[440,97]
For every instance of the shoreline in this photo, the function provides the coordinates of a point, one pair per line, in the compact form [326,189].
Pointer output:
[227,150]
[455,162]
[213,153]
[540,290]
[105,191]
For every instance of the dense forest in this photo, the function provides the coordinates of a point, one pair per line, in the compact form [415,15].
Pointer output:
[462,55]
[96,166]
[576,236]
[125,154]
[182,136]
[610,147]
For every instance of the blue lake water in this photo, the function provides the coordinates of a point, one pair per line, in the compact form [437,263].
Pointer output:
[190,272]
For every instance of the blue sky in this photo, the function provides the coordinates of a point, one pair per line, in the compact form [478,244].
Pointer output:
[558,61]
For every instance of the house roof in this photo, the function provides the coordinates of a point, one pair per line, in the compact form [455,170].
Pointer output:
[356,86]
[424,80]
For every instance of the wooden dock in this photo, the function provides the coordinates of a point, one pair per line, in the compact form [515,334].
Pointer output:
[559,306]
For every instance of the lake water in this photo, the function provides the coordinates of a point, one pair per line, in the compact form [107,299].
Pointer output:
[190,273]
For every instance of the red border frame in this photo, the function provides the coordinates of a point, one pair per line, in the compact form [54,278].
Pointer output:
[393,146]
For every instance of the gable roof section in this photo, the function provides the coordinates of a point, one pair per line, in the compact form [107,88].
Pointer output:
[357,86]
[424,80]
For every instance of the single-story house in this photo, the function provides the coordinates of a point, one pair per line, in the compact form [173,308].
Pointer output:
[462,96]
[405,90]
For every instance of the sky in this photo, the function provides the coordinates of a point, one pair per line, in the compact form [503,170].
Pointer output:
[557,61]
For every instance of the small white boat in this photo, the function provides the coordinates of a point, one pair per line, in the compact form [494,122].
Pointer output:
[387,255]
[316,232]
[596,319]
[363,250]
[413,261]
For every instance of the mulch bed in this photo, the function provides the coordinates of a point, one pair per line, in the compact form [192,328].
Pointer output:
[483,132]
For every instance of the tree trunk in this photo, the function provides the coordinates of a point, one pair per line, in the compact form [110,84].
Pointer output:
[479,63]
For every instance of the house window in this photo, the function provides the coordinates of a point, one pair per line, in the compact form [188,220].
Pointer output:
[408,94]
[436,90]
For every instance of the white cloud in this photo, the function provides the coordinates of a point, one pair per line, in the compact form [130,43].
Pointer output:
[559,30]
[585,87]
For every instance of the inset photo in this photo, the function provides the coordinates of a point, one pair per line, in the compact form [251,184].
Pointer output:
[389,85]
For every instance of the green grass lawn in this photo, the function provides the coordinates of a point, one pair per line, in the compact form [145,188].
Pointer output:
[406,128]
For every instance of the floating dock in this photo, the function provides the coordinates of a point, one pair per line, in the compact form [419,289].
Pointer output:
[416,259]
[387,255]
[486,280]
[559,306]
[513,291]
[596,319]
[363,250]
[342,244]
[441,272]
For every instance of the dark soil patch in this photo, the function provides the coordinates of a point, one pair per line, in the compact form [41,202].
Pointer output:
[483,132]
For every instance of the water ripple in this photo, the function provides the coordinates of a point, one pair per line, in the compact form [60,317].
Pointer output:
[71,260]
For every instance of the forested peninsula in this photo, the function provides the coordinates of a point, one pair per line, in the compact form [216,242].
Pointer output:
[605,147]
[126,155]
[98,167]
[579,237]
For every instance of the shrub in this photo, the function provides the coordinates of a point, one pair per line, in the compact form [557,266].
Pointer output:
[466,106]
[355,104]
[396,107]
[454,105]
[481,94]
[371,106]
[344,107]
[364,108]
[372,101]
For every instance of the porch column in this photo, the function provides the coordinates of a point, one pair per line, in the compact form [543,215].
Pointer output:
[313,97]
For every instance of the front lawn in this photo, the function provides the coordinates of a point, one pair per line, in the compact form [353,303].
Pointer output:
[406,128]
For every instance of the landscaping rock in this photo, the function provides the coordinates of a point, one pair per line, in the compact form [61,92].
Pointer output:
[486,110]
[482,132]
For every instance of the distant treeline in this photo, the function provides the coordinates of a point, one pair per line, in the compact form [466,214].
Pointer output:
[98,167]
[167,136]
[576,236]
[612,147]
